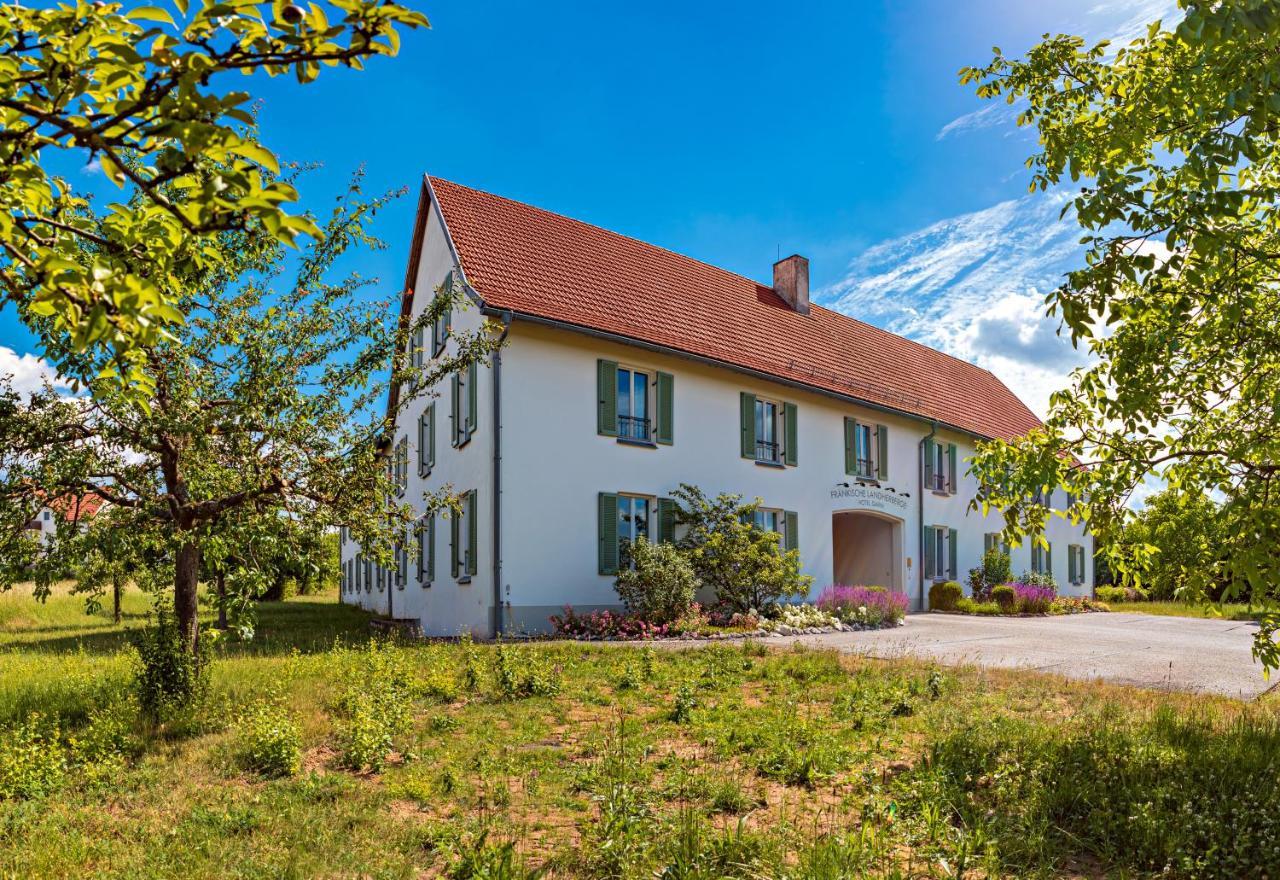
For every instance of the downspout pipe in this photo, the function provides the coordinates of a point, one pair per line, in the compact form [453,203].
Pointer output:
[933,432]
[498,616]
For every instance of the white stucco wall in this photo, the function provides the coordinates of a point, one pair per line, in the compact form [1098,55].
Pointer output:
[448,606]
[555,464]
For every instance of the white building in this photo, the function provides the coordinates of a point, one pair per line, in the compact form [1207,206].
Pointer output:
[629,369]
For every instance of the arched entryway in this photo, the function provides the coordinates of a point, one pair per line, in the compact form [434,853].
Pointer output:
[868,549]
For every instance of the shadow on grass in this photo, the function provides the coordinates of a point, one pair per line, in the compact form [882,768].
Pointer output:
[309,624]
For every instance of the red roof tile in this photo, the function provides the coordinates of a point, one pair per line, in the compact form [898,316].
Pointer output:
[537,263]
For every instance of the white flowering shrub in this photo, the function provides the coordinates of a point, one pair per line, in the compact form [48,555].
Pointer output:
[799,617]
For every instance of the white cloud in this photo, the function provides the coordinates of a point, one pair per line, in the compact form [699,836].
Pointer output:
[1120,22]
[974,286]
[29,373]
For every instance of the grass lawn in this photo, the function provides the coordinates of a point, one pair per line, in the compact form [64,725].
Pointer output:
[595,761]
[1230,611]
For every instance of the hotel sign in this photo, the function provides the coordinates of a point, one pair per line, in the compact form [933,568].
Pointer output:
[871,498]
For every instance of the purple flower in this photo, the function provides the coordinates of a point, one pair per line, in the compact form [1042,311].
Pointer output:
[863,604]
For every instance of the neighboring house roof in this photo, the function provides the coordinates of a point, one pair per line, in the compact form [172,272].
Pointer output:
[77,507]
[532,262]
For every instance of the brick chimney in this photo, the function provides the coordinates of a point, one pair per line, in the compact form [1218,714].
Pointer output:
[791,282]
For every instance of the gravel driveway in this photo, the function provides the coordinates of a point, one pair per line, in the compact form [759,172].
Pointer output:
[1169,653]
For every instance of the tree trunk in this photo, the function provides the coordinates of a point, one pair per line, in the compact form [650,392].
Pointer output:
[186,578]
[222,600]
[115,598]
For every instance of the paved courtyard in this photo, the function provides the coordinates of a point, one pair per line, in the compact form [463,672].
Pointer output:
[1169,653]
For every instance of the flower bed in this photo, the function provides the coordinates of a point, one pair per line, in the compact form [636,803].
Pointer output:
[870,607]
[1020,599]
[841,609]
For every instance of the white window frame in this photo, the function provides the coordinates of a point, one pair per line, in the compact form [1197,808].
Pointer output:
[778,429]
[864,454]
[645,435]
[941,537]
[779,526]
[941,464]
[639,526]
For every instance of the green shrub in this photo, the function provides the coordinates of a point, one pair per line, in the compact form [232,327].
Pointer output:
[1121,594]
[944,595]
[966,605]
[744,565]
[524,673]
[373,705]
[683,705]
[33,761]
[1005,597]
[267,740]
[101,748]
[994,571]
[170,678]
[661,584]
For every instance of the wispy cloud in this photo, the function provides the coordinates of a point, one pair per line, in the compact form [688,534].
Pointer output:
[1119,22]
[28,372]
[974,286]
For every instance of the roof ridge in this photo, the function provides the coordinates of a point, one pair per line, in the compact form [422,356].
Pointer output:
[604,229]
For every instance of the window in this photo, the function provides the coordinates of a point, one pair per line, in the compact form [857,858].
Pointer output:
[402,465]
[427,441]
[1042,558]
[768,442]
[633,524]
[781,522]
[939,552]
[464,405]
[940,466]
[633,405]
[463,538]
[991,541]
[426,537]
[440,327]
[47,516]
[1075,564]
[402,565]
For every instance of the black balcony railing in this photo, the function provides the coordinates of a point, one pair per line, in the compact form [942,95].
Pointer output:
[866,467]
[633,428]
[940,482]
[767,450]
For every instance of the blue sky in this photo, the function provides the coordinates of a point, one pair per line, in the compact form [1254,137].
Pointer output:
[730,132]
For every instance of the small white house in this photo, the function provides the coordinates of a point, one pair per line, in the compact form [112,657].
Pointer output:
[628,370]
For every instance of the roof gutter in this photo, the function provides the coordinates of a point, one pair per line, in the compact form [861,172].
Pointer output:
[710,361]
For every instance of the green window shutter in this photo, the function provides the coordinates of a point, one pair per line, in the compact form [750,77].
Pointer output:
[472,531]
[850,445]
[473,410]
[608,532]
[987,542]
[882,452]
[791,540]
[1048,559]
[607,394]
[952,480]
[431,437]
[454,426]
[791,429]
[929,455]
[927,538]
[666,521]
[747,404]
[663,430]
[1071,564]
[431,548]
[951,554]
[455,558]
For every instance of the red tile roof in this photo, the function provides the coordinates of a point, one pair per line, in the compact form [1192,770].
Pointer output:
[533,262]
